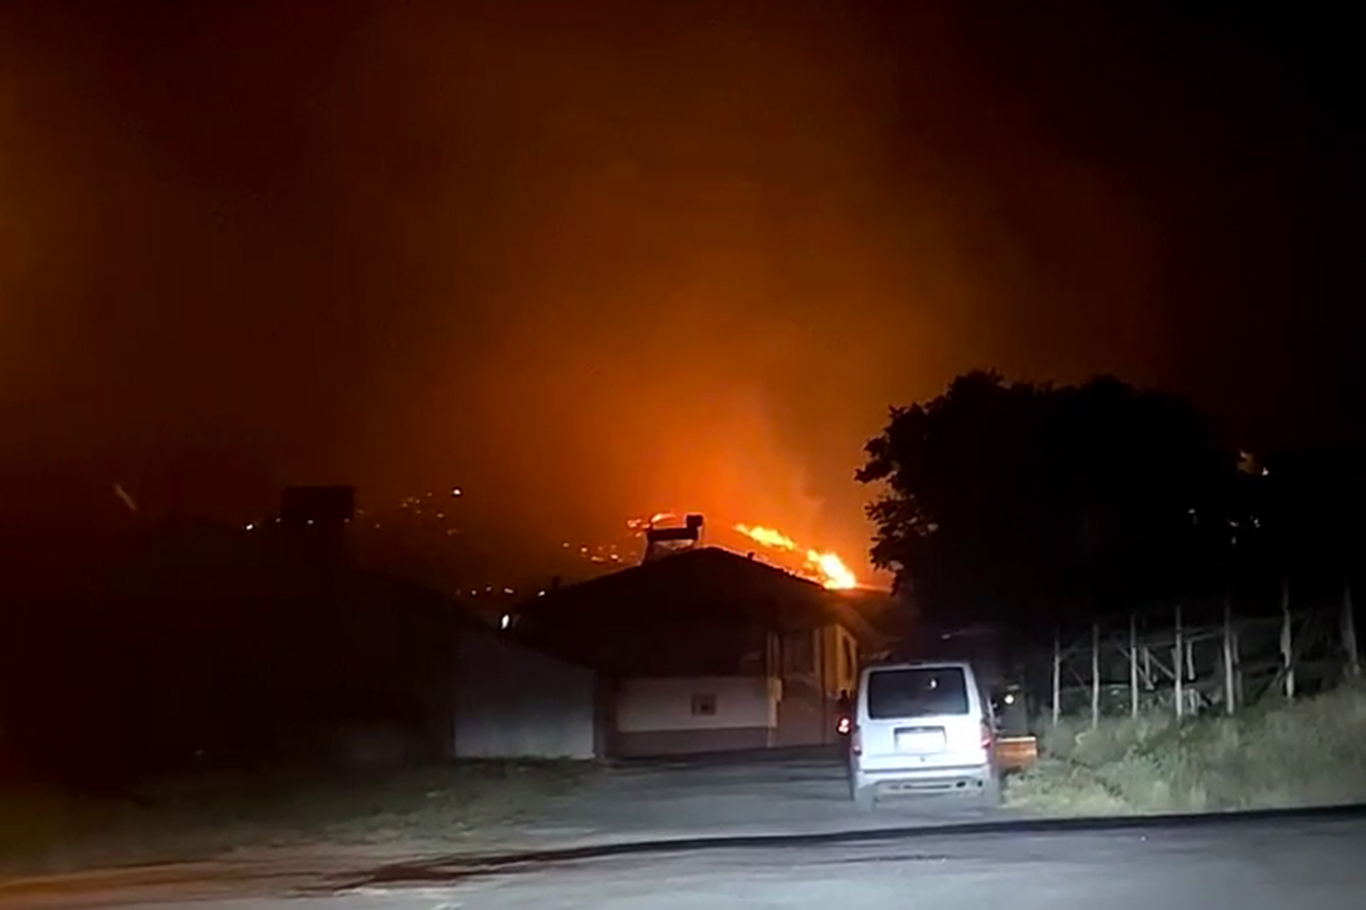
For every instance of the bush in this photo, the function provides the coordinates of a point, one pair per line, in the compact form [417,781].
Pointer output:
[1307,754]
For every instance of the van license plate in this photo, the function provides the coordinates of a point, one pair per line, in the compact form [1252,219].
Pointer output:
[919,740]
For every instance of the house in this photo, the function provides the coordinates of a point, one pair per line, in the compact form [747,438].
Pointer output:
[186,644]
[703,649]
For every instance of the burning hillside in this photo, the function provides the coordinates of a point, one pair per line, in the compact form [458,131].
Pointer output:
[825,567]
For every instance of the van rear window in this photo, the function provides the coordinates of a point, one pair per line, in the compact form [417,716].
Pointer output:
[917,692]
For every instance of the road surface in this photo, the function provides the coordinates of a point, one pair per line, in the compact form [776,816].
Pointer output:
[667,799]
[1255,864]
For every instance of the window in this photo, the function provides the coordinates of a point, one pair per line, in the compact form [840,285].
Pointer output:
[704,706]
[917,692]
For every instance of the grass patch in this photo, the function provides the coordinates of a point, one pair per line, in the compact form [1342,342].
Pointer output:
[432,807]
[1312,753]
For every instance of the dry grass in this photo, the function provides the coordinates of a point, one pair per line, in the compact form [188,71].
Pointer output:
[430,808]
[1311,753]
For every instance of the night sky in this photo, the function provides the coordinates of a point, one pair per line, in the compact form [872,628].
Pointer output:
[593,259]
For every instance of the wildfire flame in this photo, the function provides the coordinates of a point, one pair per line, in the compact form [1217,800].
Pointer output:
[831,569]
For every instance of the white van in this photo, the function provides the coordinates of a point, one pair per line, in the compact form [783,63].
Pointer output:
[922,728]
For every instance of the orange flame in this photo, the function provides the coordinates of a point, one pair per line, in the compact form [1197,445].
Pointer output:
[833,572]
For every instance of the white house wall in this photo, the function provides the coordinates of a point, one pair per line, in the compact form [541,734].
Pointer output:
[667,704]
[657,716]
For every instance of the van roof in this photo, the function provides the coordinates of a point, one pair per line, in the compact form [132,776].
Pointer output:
[920,665]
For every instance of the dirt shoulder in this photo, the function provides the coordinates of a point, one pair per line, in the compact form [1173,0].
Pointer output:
[400,812]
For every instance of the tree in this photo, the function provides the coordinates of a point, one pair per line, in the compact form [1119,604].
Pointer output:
[1016,502]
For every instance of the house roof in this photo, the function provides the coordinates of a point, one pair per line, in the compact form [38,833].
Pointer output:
[706,584]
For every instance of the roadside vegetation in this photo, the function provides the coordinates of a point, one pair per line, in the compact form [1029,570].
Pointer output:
[1311,753]
[411,811]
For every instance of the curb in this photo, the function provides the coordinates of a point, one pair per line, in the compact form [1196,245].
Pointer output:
[469,865]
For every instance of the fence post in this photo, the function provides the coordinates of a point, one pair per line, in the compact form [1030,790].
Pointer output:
[1349,632]
[1230,658]
[1133,665]
[1287,642]
[1179,668]
[1095,675]
[1057,676]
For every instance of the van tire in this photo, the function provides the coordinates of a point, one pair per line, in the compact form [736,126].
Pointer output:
[865,798]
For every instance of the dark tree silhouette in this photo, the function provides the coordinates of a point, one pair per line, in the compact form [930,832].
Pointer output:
[1019,502]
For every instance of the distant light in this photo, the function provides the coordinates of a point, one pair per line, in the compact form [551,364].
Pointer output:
[251,526]
[540,593]
[440,514]
[457,492]
[565,545]
[488,588]
[1010,698]
[505,621]
[1265,471]
[473,593]
[310,521]
[508,591]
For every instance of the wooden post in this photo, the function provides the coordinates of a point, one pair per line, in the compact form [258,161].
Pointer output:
[1287,643]
[1349,633]
[1230,658]
[1057,677]
[1133,665]
[1238,668]
[1148,667]
[1095,675]
[1179,668]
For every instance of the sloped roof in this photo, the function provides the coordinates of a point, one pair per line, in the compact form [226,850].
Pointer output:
[706,583]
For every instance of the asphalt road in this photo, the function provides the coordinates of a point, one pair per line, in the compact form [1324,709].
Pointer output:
[1248,863]
[1255,864]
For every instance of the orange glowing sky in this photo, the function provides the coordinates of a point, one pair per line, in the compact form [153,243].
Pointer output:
[582,259]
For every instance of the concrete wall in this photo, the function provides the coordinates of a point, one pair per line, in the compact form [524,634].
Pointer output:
[512,702]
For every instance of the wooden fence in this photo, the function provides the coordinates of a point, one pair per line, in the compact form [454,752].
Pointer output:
[1159,660]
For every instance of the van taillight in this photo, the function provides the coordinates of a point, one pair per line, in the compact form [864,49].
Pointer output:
[856,741]
[986,735]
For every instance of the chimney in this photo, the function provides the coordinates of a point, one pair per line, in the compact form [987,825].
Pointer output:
[665,541]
